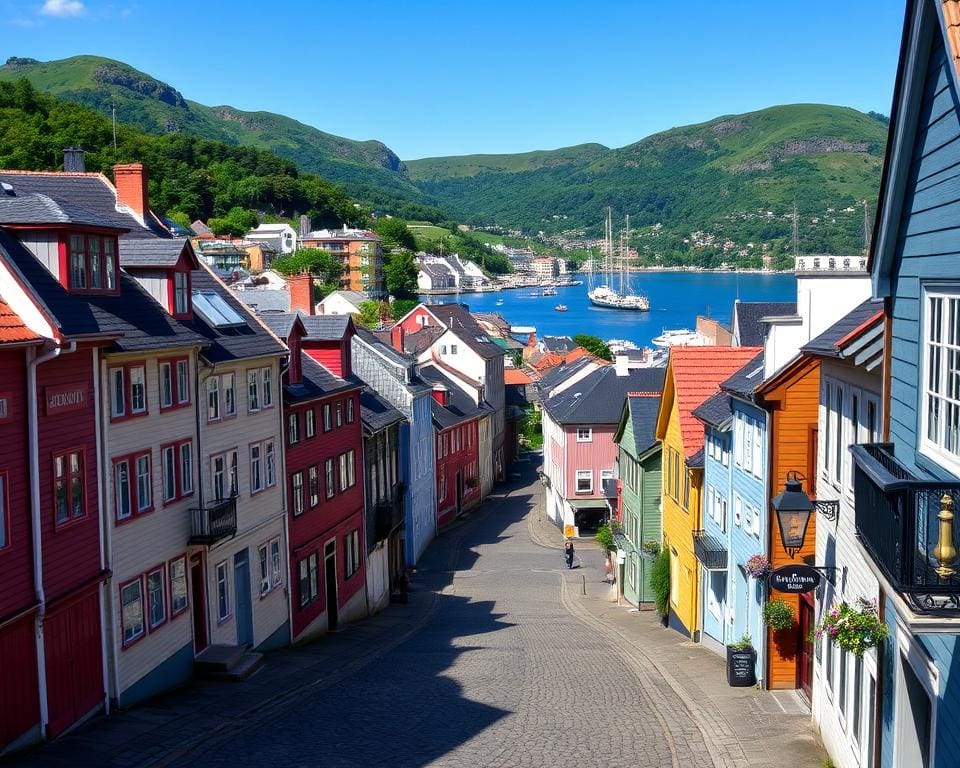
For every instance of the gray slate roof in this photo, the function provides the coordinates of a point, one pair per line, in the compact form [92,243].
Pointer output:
[354,297]
[236,343]
[415,343]
[376,413]
[317,382]
[696,461]
[384,348]
[41,209]
[715,410]
[262,300]
[460,406]
[558,374]
[133,316]
[748,314]
[156,252]
[826,343]
[325,327]
[598,397]
[747,380]
[643,421]
[89,192]
[559,344]
[458,319]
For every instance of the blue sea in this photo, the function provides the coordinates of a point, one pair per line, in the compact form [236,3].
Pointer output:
[676,298]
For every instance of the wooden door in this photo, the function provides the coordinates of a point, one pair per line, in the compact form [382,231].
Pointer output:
[805,644]
[19,700]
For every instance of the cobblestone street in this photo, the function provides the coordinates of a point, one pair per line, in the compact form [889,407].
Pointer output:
[498,660]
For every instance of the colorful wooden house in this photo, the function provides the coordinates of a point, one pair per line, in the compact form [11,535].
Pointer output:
[693,375]
[638,505]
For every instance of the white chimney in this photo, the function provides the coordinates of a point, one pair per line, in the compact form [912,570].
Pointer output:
[620,364]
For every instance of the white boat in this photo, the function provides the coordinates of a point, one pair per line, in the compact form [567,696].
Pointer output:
[621,345]
[548,291]
[561,307]
[604,295]
[499,302]
[680,337]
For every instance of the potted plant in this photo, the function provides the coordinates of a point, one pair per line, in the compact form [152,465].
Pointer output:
[758,566]
[778,614]
[854,628]
[742,663]
[650,548]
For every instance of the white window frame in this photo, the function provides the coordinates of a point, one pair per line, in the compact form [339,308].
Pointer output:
[936,449]
[182,374]
[257,477]
[297,493]
[118,392]
[276,563]
[148,488]
[138,382]
[166,384]
[584,474]
[163,597]
[136,634]
[214,406]
[177,575]
[266,392]
[223,591]
[253,391]
[228,384]
[310,423]
[270,463]
[169,472]
[584,434]
[122,488]
[263,564]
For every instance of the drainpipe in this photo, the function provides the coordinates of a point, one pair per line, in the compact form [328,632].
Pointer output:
[282,480]
[111,673]
[767,537]
[36,529]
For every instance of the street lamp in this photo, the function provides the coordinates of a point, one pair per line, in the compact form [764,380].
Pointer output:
[793,508]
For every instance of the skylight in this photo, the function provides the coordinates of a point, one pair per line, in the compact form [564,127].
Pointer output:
[212,307]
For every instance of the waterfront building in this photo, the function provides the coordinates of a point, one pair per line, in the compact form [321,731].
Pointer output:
[638,493]
[693,375]
[393,376]
[580,455]
[341,303]
[281,238]
[360,252]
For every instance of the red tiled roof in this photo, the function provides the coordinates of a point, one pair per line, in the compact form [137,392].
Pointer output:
[549,360]
[12,329]
[697,375]
[515,376]
[951,18]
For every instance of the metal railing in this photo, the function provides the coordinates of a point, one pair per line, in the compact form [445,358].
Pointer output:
[213,522]
[898,521]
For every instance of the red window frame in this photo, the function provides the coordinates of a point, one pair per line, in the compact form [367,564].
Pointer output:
[179,493]
[128,391]
[133,488]
[172,289]
[176,396]
[174,613]
[67,257]
[68,478]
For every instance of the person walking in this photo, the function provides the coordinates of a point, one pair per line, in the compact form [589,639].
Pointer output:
[568,553]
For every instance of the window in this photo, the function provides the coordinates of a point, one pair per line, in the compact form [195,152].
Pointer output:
[350,413]
[263,559]
[218,470]
[93,263]
[215,310]
[838,435]
[276,563]
[343,472]
[308,572]
[313,480]
[338,411]
[328,477]
[453,349]
[442,492]
[69,485]
[213,398]
[293,429]
[128,390]
[174,383]
[234,464]
[828,665]
[177,470]
[131,611]
[737,510]
[121,485]
[229,383]
[186,469]
[842,687]
[296,490]
[256,468]
[178,586]
[132,493]
[940,388]
[310,422]
[351,545]
[169,473]
[584,435]
[267,378]
[857,699]
[156,597]
[4,514]
[271,465]
[253,391]
[674,577]
[326,418]
[584,481]
[223,592]
[181,293]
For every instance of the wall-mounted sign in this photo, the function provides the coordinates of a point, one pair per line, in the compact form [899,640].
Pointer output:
[795,579]
[66,397]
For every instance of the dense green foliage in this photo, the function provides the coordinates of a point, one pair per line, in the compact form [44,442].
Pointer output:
[401,307]
[604,537]
[400,274]
[660,580]
[326,268]
[594,345]
[448,238]
[393,233]
[531,429]
[370,314]
[191,177]
[370,171]
[777,614]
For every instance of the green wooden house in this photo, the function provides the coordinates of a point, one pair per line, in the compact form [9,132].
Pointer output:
[638,460]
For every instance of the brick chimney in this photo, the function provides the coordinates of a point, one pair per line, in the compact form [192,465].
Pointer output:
[440,394]
[301,293]
[130,179]
[397,335]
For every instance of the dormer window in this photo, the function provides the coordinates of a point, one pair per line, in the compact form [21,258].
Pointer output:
[92,262]
[181,293]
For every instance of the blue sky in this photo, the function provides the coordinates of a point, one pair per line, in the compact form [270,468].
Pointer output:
[440,78]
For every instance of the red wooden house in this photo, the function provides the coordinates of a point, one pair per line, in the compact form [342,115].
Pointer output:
[324,464]
[456,418]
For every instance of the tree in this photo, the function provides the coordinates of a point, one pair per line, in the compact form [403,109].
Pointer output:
[594,345]
[324,266]
[401,307]
[369,315]
[400,274]
[394,234]
[238,221]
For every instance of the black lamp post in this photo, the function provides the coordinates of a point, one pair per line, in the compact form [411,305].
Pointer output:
[793,508]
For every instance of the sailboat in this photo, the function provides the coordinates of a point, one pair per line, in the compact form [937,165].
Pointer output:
[604,295]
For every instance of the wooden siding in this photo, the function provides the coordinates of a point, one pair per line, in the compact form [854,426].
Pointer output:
[45,245]
[794,412]
[599,454]
[463,462]
[716,478]
[19,697]
[16,559]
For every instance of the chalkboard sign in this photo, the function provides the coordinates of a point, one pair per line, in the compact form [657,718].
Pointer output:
[795,579]
[741,668]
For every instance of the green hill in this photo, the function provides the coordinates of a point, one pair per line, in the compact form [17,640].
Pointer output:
[686,178]
[369,170]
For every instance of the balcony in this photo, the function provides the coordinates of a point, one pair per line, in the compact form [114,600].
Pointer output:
[388,514]
[213,522]
[899,522]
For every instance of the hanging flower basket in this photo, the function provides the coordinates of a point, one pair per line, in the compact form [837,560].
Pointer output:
[758,566]
[650,548]
[855,628]
[778,614]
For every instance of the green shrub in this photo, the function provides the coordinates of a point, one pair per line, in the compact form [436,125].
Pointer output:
[660,581]
[745,643]
[777,614]
[604,537]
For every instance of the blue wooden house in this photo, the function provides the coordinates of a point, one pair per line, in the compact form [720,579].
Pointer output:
[907,487]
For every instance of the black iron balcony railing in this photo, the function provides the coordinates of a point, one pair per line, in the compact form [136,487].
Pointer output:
[388,514]
[900,520]
[214,521]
